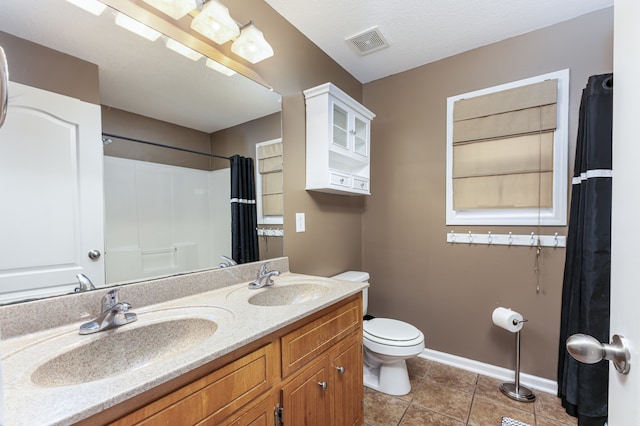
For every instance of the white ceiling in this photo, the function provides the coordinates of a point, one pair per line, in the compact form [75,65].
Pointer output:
[138,75]
[420,31]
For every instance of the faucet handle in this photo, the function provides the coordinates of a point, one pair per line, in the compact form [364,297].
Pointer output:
[84,283]
[263,270]
[110,299]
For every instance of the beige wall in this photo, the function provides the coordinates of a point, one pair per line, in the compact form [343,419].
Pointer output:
[449,291]
[38,66]
[242,139]
[124,123]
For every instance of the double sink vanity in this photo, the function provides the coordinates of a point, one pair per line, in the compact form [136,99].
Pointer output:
[205,349]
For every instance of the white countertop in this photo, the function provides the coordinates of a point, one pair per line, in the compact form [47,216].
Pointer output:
[238,323]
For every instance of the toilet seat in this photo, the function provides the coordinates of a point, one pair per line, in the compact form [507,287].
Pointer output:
[391,332]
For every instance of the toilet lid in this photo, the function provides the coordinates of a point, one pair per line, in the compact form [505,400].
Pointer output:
[390,329]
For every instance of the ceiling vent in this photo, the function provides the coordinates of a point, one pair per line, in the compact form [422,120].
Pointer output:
[368,41]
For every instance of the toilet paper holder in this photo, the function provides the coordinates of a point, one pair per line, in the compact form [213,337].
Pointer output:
[515,390]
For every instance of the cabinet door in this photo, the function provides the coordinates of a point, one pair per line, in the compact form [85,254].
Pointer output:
[340,126]
[361,136]
[260,413]
[306,398]
[348,387]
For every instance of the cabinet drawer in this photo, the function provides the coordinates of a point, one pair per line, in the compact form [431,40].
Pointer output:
[306,342]
[361,184]
[216,395]
[340,179]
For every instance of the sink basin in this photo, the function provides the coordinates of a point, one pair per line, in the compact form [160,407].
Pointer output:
[289,294]
[123,349]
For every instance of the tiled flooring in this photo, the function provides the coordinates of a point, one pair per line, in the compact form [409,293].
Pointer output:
[446,396]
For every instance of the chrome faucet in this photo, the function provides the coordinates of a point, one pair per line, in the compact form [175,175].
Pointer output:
[85,283]
[264,278]
[227,261]
[114,314]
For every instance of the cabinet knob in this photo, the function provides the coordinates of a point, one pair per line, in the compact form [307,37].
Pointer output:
[362,185]
[341,180]
[340,369]
[323,385]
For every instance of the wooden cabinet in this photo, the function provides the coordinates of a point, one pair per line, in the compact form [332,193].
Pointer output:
[324,360]
[309,373]
[214,396]
[338,142]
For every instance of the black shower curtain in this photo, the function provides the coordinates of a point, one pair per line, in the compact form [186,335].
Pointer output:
[586,288]
[244,220]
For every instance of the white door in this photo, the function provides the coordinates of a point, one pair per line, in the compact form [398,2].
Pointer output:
[51,213]
[624,391]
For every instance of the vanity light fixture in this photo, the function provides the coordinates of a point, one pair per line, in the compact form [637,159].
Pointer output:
[214,22]
[183,50]
[251,44]
[136,27]
[175,8]
[92,6]
[219,67]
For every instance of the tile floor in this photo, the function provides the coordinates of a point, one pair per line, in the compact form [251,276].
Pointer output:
[446,396]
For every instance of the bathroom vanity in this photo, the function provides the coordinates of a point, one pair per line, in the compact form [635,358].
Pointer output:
[290,353]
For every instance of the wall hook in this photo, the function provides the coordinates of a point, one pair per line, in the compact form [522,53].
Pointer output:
[555,240]
[510,239]
[453,237]
[489,238]
[470,237]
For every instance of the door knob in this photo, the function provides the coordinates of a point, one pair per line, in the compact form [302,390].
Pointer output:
[94,254]
[589,350]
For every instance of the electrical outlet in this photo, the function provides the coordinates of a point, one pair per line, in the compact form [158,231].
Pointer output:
[299,222]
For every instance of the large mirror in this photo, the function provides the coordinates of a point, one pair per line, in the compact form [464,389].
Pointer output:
[147,93]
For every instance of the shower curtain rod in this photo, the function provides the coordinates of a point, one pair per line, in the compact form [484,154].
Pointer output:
[111,135]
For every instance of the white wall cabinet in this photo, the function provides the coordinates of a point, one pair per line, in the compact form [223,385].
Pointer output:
[338,142]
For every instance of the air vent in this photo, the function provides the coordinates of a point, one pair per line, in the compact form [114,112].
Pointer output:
[368,41]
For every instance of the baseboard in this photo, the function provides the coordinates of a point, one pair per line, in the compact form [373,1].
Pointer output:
[528,380]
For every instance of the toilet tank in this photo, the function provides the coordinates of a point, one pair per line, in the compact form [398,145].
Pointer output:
[360,277]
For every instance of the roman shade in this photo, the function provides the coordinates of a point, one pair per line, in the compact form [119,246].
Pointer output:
[503,145]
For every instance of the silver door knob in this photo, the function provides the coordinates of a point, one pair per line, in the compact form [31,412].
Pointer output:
[94,254]
[323,385]
[340,370]
[589,350]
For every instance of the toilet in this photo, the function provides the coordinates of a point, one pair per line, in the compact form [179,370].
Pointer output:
[387,344]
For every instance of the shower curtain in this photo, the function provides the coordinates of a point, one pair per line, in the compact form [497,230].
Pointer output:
[244,220]
[583,388]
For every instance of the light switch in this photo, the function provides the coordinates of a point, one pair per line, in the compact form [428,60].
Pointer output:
[299,222]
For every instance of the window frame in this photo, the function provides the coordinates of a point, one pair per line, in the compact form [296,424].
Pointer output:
[265,220]
[554,216]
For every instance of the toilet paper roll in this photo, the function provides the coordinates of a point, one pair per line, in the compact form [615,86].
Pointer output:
[507,319]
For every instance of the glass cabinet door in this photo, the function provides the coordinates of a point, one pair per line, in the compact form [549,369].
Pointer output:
[360,136]
[340,127]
